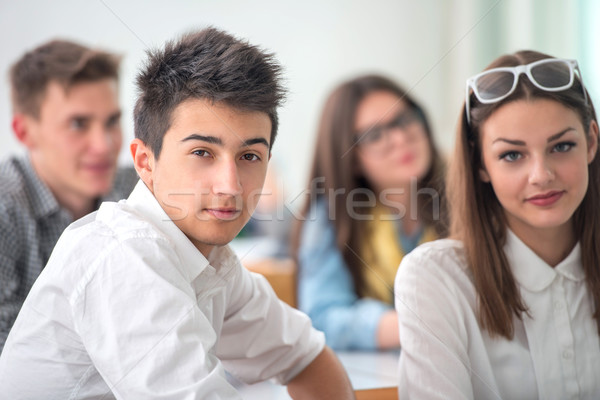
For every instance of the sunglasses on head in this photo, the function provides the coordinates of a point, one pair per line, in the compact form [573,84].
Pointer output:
[550,75]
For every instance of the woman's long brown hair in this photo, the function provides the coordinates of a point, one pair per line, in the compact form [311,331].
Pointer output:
[334,174]
[477,217]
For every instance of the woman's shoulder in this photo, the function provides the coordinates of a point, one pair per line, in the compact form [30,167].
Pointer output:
[442,256]
[315,221]
[317,234]
[440,248]
[318,210]
[437,271]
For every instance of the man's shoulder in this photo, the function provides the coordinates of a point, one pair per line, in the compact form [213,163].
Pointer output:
[118,220]
[12,179]
[13,187]
[113,227]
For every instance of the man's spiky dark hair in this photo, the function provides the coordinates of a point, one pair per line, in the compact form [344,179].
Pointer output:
[208,64]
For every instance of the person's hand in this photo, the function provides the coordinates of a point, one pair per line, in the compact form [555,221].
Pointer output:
[387,332]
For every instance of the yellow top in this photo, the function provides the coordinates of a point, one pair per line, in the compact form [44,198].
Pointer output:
[381,254]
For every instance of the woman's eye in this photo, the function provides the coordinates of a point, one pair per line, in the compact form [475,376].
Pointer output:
[372,135]
[404,120]
[563,147]
[510,156]
[250,157]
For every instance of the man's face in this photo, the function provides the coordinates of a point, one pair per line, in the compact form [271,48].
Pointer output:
[211,170]
[75,142]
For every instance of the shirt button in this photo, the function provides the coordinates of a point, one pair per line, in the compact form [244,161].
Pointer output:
[558,305]
[567,355]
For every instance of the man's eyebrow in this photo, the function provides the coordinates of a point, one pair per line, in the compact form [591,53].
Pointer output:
[80,116]
[218,141]
[250,142]
[208,139]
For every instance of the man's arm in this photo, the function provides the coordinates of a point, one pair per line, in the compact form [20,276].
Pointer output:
[11,273]
[324,378]
[9,309]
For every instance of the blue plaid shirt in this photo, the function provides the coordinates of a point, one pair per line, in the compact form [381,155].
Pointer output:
[31,221]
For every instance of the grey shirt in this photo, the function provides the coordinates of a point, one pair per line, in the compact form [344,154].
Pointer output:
[31,221]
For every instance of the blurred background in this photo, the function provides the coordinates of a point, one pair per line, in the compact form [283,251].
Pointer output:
[429,46]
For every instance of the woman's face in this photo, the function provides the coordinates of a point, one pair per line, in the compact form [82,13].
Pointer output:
[535,155]
[393,147]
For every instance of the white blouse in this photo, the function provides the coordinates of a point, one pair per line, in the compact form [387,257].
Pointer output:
[555,353]
[128,308]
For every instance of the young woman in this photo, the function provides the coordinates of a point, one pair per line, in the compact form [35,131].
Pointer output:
[509,308]
[375,193]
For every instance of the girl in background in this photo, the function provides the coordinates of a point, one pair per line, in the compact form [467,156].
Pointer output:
[376,191]
[510,307]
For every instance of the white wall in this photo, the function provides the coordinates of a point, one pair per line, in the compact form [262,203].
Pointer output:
[430,46]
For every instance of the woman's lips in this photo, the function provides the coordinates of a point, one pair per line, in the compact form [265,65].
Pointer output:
[407,158]
[545,199]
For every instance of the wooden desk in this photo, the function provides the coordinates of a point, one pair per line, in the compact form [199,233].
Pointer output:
[281,274]
[390,393]
[373,376]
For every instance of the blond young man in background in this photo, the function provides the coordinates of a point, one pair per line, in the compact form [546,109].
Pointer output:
[66,113]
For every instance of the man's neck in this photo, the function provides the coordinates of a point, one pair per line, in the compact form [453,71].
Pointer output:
[76,204]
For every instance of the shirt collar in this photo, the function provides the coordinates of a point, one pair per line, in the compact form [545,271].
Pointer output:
[533,273]
[142,202]
[43,201]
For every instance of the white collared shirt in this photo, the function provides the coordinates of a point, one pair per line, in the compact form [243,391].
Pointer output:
[128,308]
[555,354]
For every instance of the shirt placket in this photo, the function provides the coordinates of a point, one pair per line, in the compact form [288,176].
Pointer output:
[207,285]
[565,339]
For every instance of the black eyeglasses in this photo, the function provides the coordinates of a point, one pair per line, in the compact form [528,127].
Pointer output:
[550,74]
[376,137]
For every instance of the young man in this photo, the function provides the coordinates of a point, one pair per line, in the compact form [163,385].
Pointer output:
[144,299]
[66,113]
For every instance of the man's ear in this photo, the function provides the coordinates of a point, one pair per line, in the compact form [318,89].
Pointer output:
[22,130]
[592,142]
[483,175]
[143,161]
